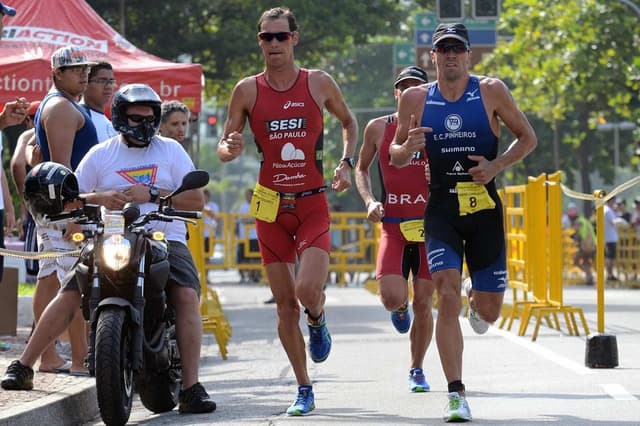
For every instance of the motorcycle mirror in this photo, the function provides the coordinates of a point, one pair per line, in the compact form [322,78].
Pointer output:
[192,180]
[131,212]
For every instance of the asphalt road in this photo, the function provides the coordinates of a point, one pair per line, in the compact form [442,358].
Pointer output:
[509,379]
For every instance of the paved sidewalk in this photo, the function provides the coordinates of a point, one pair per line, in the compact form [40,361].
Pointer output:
[60,398]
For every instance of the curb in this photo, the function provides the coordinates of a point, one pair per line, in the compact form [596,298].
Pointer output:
[75,405]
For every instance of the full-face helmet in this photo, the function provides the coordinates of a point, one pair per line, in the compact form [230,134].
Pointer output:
[47,187]
[141,134]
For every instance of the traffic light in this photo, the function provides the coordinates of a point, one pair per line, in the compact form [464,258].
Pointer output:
[211,125]
[450,10]
[486,9]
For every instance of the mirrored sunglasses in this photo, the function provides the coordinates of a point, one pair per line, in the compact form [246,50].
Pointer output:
[282,36]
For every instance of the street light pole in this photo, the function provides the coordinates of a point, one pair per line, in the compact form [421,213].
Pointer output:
[616,127]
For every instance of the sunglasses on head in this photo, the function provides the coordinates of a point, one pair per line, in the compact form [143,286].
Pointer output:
[451,47]
[140,118]
[282,36]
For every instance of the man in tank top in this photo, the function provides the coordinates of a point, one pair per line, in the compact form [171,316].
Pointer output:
[401,248]
[284,105]
[64,134]
[458,117]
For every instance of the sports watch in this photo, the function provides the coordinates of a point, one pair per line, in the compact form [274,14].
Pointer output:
[153,194]
[349,161]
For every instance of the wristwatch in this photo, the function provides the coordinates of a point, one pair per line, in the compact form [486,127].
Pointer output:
[349,161]
[153,194]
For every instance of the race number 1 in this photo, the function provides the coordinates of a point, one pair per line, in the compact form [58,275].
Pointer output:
[264,203]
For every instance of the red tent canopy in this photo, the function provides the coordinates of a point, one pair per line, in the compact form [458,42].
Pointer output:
[42,26]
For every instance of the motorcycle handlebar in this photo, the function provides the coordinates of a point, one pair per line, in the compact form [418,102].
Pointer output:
[65,215]
[169,211]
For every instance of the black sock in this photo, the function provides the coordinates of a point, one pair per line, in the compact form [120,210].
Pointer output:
[456,386]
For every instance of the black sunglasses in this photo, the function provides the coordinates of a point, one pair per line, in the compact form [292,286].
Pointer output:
[282,36]
[140,118]
[451,47]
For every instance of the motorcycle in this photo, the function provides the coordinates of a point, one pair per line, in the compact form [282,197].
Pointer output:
[122,272]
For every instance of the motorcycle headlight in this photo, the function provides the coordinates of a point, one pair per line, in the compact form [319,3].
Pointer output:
[116,251]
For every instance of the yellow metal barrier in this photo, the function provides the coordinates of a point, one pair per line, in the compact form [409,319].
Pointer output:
[213,317]
[535,260]
[354,246]
[518,231]
[628,257]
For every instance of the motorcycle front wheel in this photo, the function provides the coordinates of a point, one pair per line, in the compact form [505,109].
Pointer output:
[114,376]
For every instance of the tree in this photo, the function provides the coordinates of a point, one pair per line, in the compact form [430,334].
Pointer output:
[570,63]
[221,34]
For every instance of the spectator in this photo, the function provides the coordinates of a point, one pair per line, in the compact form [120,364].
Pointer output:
[585,238]
[247,223]
[621,210]
[210,213]
[635,216]
[97,96]
[8,11]
[19,169]
[611,221]
[64,134]
[174,121]
[572,210]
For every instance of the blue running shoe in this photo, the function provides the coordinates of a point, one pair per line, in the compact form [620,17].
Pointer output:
[319,341]
[417,381]
[401,319]
[304,403]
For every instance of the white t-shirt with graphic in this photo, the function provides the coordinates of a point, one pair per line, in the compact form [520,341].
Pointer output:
[113,165]
[104,128]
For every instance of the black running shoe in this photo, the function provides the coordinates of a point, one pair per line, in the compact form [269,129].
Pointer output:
[17,377]
[195,400]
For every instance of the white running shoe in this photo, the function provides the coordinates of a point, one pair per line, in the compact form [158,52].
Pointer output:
[457,409]
[479,325]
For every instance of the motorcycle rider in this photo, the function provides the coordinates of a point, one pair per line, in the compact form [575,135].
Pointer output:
[135,166]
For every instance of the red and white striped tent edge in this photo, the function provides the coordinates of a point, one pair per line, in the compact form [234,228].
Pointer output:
[42,26]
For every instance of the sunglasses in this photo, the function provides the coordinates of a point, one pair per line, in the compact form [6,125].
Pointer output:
[451,47]
[282,36]
[141,118]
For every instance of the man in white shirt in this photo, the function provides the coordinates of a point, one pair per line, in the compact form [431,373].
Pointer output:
[96,98]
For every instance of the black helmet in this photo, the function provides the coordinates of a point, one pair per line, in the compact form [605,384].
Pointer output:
[142,94]
[47,187]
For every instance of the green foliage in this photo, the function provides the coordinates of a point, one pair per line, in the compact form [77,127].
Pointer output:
[570,63]
[221,34]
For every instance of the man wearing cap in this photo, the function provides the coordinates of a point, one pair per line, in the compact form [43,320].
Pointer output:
[5,10]
[402,248]
[458,117]
[64,134]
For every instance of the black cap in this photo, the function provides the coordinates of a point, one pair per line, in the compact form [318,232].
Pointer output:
[412,72]
[452,30]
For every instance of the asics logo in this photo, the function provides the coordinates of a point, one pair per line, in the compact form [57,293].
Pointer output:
[291,104]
